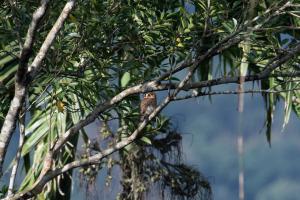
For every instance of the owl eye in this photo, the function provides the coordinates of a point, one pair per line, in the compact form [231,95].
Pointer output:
[149,95]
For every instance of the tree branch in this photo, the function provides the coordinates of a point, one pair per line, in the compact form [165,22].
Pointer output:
[50,38]
[9,124]
[200,94]
[18,155]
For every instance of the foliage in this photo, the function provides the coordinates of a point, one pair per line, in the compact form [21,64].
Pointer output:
[108,46]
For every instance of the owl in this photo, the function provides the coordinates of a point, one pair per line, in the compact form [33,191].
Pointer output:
[148,104]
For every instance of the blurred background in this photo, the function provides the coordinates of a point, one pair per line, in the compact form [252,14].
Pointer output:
[210,130]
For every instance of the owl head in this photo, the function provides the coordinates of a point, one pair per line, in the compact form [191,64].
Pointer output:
[150,95]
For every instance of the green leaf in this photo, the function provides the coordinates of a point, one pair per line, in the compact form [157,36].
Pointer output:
[148,38]
[287,105]
[125,79]
[146,140]
[269,122]
[270,111]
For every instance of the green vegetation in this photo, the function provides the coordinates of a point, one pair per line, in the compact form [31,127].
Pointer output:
[65,65]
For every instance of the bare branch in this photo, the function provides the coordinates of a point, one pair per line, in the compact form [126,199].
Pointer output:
[232,92]
[50,38]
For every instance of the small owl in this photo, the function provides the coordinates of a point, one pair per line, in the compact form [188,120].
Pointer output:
[148,104]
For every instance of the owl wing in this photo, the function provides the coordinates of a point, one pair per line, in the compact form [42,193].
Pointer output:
[143,106]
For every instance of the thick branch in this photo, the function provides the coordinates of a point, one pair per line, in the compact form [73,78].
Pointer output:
[18,155]
[50,38]
[9,124]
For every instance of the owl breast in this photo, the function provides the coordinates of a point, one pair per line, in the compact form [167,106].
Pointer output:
[149,109]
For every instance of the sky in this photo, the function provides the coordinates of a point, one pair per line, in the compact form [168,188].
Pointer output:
[210,144]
